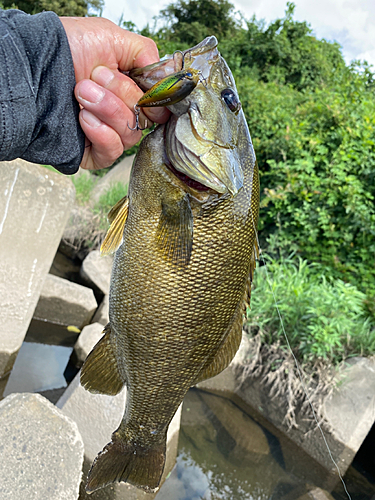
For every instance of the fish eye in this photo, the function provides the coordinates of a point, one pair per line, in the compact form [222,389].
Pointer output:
[231,100]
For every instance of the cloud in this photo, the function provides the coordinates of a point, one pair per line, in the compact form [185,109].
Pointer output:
[349,22]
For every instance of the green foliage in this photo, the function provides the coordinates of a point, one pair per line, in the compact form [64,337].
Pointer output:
[191,21]
[316,153]
[78,8]
[107,201]
[183,24]
[323,318]
[83,184]
[285,52]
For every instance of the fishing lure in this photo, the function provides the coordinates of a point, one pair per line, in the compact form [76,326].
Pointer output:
[172,89]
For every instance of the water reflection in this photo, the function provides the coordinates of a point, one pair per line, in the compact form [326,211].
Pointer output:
[224,455]
[38,367]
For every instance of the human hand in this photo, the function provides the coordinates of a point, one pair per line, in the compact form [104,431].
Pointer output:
[100,49]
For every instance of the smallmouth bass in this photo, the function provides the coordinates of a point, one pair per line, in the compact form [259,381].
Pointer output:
[185,241]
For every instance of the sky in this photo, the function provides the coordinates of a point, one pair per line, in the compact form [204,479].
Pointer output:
[351,23]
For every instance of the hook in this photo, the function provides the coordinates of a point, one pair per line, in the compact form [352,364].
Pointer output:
[137,111]
[182,63]
[202,79]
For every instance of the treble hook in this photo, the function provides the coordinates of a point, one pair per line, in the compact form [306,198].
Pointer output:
[202,79]
[137,111]
[178,62]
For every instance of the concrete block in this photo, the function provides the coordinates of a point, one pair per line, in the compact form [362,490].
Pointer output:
[348,413]
[89,336]
[316,494]
[96,271]
[247,436]
[41,450]
[34,207]
[119,173]
[65,303]
[97,416]
[102,314]
[349,410]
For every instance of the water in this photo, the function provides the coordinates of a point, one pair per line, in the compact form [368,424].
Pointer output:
[227,454]
[38,368]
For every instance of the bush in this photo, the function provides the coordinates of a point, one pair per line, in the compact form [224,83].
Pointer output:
[316,153]
[323,318]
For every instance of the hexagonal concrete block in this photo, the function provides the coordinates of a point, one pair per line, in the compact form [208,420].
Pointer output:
[96,271]
[348,411]
[65,303]
[97,416]
[41,450]
[34,207]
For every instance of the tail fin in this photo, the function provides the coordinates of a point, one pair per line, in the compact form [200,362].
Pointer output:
[121,461]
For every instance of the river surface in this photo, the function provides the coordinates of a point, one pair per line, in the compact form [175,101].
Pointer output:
[226,454]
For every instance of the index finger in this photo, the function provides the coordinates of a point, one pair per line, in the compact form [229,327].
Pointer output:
[135,51]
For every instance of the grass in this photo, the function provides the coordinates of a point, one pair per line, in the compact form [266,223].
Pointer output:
[325,319]
[84,184]
[107,201]
[88,222]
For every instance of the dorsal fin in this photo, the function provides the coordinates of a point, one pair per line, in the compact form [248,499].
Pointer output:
[117,218]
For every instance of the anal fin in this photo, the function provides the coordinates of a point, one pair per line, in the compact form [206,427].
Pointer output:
[100,373]
[227,351]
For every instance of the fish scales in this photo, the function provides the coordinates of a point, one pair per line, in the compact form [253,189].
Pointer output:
[180,281]
[171,315]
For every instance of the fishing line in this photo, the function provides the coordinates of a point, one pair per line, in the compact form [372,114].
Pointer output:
[298,367]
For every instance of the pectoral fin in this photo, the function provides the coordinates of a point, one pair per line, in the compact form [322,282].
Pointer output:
[100,373]
[117,218]
[175,230]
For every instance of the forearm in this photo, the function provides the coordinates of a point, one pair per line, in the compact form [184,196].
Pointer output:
[38,110]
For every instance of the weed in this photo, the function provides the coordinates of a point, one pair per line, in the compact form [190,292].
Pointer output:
[83,184]
[107,201]
[324,318]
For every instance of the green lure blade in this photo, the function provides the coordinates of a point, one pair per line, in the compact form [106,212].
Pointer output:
[172,89]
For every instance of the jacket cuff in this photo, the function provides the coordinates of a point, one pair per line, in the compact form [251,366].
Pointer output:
[38,110]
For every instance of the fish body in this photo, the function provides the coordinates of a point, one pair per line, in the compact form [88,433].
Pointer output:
[186,240]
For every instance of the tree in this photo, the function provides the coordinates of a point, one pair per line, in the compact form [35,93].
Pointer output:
[191,21]
[77,8]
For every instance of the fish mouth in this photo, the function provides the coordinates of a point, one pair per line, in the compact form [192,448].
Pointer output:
[198,57]
[203,159]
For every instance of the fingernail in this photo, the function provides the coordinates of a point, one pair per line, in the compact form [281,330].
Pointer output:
[102,75]
[90,92]
[90,119]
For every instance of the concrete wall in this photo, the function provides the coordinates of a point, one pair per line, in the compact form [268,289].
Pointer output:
[34,207]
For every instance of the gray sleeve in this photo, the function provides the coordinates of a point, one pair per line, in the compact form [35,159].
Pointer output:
[38,110]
